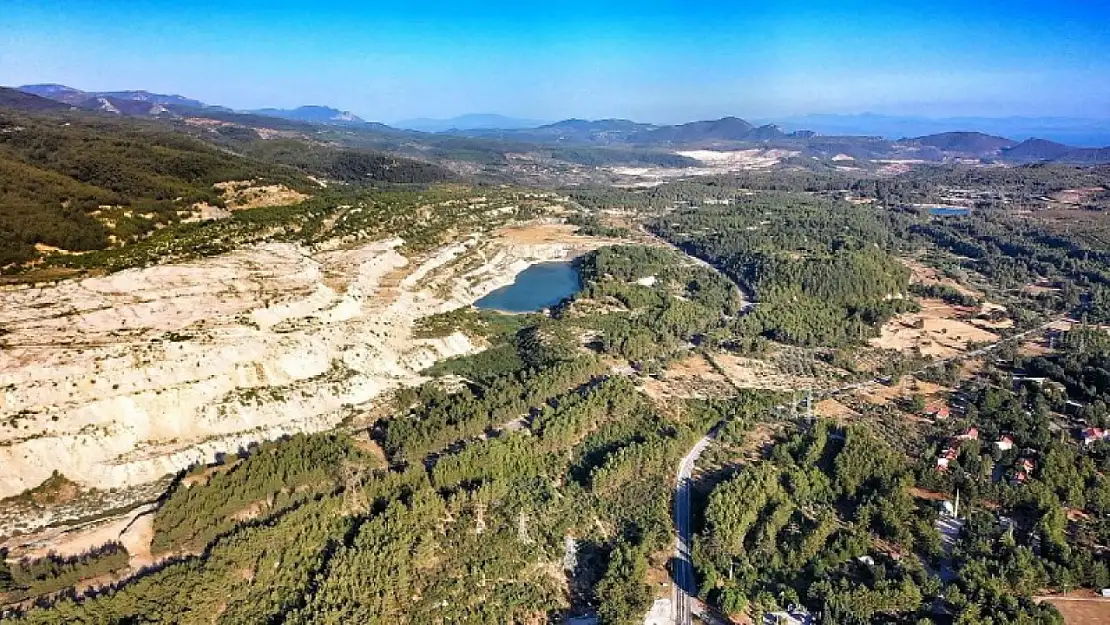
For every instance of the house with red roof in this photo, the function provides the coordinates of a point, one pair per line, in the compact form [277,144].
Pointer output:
[970,434]
[1091,435]
[946,457]
[937,411]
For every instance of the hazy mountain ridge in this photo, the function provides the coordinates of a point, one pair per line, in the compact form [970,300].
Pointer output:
[970,142]
[1042,150]
[153,98]
[1081,132]
[1038,150]
[733,132]
[141,102]
[624,131]
[312,113]
[471,121]
[726,128]
[16,99]
[58,93]
[77,97]
[724,133]
[572,131]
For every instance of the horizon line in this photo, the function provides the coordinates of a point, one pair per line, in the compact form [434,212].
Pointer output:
[771,119]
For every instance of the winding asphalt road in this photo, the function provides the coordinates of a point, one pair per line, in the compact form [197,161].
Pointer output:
[683,568]
[685,587]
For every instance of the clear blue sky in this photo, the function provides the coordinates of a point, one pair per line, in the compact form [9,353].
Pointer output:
[652,61]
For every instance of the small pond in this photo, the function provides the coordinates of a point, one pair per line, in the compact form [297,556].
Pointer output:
[949,211]
[537,287]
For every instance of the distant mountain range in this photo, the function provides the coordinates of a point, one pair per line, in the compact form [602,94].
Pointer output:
[92,99]
[313,114]
[14,99]
[966,142]
[568,131]
[157,104]
[1041,150]
[980,145]
[474,121]
[858,136]
[626,132]
[1067,130]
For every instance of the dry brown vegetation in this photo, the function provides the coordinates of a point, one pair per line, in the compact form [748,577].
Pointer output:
[939,330]
[1088,226]
[363,442]
[247,194]
[922,274]
[1082,608]
[745,372]
[1076,196]
[690,377]
[253,511]
[881,394]
[833,409]
[202,476]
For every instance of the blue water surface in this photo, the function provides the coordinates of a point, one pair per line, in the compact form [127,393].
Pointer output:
[948,211]
[537,287]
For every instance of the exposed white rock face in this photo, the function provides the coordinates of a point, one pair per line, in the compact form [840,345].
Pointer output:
[117,381]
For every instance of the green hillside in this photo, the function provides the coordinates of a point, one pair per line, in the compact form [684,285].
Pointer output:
[57,171]
[345,165]
[83,181]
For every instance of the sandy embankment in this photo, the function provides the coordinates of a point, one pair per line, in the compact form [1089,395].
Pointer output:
[134,530]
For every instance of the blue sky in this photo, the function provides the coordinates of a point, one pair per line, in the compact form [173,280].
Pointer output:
[651,61]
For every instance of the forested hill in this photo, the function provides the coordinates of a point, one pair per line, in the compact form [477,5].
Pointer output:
[345,164]
[820,270]
[538,489]
[1034,150]
[55,172]
[15,99]
[967,142]
[622,131]
[84,181]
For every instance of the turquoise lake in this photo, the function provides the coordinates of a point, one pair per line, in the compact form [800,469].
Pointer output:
[948,211]
[537,287]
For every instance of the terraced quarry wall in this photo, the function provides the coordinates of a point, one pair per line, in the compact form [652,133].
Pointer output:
[120,380]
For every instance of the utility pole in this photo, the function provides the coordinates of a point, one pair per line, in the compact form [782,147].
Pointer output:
[522,529]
